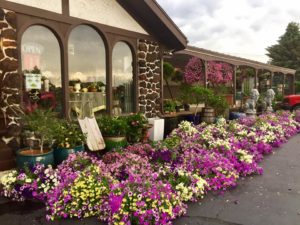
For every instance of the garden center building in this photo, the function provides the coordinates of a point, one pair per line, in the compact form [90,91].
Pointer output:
[102,55]
[115,43]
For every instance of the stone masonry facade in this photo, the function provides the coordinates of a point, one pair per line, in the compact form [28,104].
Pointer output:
[10,81]
[149,78]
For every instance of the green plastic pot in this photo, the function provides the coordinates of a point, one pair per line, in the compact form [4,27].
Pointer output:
[115,142]
[29,157]
[61,154]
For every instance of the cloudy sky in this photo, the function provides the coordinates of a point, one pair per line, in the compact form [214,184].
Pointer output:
[237,27]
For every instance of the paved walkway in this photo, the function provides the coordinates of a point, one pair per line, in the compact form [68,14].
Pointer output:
[270,199]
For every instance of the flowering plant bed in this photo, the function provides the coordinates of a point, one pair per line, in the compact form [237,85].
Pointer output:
[150,184]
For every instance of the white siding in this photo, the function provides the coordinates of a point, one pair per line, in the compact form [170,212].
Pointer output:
[50,5]
[107,12]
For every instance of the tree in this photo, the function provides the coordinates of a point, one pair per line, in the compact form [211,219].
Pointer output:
[286,52]
[171,74]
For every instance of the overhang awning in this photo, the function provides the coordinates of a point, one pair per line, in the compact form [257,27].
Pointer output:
[237,61]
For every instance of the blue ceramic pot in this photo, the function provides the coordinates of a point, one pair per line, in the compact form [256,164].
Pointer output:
[195,119]
[32,157]
[61,154]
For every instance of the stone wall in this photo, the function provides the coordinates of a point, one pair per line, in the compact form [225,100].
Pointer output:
[10,83]
[149,78]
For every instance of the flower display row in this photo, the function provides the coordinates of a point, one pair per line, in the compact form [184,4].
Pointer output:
[151,183]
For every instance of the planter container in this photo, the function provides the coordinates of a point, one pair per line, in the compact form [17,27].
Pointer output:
[208,115]
[34,157]
[195,119]
[61,154]
[236,115]
[156,132]
[115,142]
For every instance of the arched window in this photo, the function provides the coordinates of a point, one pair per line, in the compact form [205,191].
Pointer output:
[87,65]
[41,66]
[122,79]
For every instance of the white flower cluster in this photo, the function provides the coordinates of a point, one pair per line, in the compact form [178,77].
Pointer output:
[244,156]
[7,182]
[188,128]
[219,143]
[51,181]
[221,121]
[187,191]
[8,179]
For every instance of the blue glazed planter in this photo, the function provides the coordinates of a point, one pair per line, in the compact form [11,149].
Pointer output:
[61,154]
[195,119]
[34,157]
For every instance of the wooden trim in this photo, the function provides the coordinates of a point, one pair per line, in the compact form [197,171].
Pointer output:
[66,7]
[256,79]
[205,73]
[234,84]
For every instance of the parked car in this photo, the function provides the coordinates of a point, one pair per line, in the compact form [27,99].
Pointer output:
[291,102]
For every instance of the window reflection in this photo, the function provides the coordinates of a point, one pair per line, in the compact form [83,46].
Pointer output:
[87,71]
[41,66]
[122,79]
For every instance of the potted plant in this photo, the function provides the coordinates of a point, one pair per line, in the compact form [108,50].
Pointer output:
[41,125]
[93,87]
[69,139]
[75,84]
[101,86]
[137,127]
[113,129]
[219,104]
[169,106]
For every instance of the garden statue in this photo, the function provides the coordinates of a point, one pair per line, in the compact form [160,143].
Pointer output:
[269,99]
[250,106]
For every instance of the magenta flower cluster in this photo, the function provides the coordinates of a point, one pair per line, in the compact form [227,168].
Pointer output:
[218,73]
[150,184]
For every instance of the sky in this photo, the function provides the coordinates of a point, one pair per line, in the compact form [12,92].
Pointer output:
[243,28]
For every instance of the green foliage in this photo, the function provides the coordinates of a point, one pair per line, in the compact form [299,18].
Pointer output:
[112,126]
[171,142]
[35,70]
[136,125]
[203,95]
[278,97]
[69,135]
[199,94]
[169,70]
[297,86]
[219,104]
[43,123]
[287,52]
[169,106]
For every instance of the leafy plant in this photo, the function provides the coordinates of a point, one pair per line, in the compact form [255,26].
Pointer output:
[136,125]
[169,106]
[219,104]
[112,126]
[73,82]
[69,135]
[43,123]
